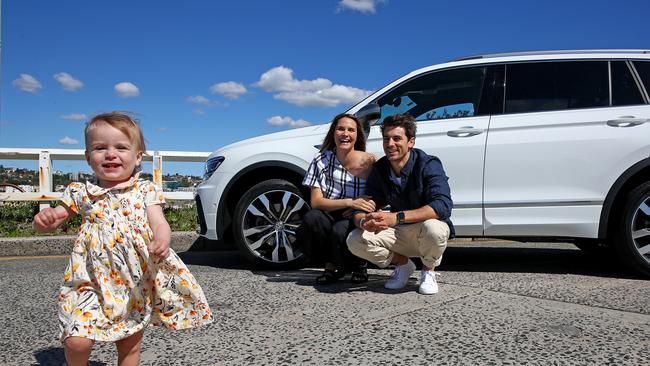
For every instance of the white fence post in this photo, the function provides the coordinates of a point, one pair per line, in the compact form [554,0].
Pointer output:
[45,157]
[44,175]
[157,169]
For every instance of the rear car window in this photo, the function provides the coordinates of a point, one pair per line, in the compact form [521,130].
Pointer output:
[625,90]
[545,86]
[643,69]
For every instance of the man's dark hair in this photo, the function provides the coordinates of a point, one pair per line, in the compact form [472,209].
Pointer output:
[404,120]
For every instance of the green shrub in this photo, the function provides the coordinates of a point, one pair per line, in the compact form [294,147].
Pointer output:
[16,219]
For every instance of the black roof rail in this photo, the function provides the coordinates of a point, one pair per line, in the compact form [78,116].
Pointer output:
[556,52]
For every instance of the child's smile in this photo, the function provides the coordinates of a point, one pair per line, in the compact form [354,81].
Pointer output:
[111,154]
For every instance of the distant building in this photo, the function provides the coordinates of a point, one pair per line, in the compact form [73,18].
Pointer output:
[170,185]
[187,189]
[27,188]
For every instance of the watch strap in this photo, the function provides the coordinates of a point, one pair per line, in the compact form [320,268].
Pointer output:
[400,217]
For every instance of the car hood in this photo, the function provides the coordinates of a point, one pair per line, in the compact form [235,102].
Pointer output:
[276,137]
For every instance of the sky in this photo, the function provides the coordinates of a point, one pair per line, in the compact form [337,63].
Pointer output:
[200,74]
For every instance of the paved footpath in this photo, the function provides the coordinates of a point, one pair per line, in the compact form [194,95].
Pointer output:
[498,305]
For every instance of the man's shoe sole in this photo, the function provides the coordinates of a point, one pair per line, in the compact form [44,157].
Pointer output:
[426,293]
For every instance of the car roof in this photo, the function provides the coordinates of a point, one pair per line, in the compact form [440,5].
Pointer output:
[529,56]
[600,52]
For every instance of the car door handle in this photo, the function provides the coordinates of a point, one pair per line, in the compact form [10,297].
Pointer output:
[465,131]
[626,121]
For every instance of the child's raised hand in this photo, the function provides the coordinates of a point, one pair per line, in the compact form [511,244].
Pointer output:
[49,219]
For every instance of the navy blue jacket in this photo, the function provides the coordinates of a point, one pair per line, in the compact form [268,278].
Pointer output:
[423,181]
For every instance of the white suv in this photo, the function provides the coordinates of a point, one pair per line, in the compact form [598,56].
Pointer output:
[536,145]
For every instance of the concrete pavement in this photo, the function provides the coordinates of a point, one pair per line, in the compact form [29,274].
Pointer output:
[500,303]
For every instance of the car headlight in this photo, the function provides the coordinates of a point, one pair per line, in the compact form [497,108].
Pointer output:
[211,165]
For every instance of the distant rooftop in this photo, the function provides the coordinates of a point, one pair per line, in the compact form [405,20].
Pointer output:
[556,52]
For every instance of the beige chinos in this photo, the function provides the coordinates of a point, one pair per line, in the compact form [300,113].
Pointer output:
[427,240]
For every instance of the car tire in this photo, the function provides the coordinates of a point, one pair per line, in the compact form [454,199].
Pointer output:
[633,239]
[265,222]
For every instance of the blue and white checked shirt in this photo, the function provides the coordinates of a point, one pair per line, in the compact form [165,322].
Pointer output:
[327,173]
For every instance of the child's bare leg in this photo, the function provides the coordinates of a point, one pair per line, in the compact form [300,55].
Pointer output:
[128,350]
[77,350]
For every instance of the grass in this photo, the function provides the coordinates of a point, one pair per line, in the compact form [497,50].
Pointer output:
[16,219]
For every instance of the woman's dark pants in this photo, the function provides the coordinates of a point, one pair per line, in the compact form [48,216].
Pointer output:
[322,236]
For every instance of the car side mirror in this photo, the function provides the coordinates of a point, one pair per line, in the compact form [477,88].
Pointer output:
[368,115]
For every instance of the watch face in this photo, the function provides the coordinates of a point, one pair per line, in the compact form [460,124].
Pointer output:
[400,217]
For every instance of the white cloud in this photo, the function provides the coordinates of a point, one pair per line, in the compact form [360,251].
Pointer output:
[27,83]
[317,92]
[199,99]
[230,89]
[127,89]
[362,6]
[75,116]
[199,111]
[287,121]
[68,141]
[68,82]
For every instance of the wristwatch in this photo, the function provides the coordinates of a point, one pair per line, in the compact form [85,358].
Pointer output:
[400,217]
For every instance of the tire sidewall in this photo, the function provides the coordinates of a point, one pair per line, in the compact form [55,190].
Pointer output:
[626,247]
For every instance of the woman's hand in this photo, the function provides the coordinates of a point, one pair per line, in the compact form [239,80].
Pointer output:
[49,219]
[363,203]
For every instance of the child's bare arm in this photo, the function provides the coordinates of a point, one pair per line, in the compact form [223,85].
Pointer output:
[49,219]
[159,244]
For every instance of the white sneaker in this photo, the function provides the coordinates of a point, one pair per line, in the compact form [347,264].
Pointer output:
[400,276]
[428,283]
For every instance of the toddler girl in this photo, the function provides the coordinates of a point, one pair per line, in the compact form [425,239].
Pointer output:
[122,274]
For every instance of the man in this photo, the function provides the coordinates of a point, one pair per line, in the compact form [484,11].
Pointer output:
[415,186]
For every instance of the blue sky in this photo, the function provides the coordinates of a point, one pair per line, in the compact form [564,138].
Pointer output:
[201,74]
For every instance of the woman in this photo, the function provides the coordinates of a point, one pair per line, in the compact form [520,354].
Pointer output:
[337,177]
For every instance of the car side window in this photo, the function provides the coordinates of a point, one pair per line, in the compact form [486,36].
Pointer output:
[624,89]
[444,94]
[546,86]
[643,69]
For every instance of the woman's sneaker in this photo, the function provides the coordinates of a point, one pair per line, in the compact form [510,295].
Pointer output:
[428,283]
[400,276]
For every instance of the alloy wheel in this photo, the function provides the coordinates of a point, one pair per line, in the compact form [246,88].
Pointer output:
[640,229]
[269,225]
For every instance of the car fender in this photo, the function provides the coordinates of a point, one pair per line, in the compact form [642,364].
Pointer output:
[615,190]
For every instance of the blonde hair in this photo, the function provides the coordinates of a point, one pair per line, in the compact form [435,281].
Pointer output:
[121,121]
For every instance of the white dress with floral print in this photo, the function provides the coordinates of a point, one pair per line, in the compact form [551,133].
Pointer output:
[112,287]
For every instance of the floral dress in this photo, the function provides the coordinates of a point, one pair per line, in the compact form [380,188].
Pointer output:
[112,287]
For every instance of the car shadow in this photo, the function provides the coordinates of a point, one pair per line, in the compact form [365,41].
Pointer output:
[226,259]
[456,259]
[534,260]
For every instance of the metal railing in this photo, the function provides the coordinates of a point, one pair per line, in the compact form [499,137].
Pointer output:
[45,157]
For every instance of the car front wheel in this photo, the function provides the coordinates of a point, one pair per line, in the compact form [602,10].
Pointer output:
[265,222]
[634,230]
